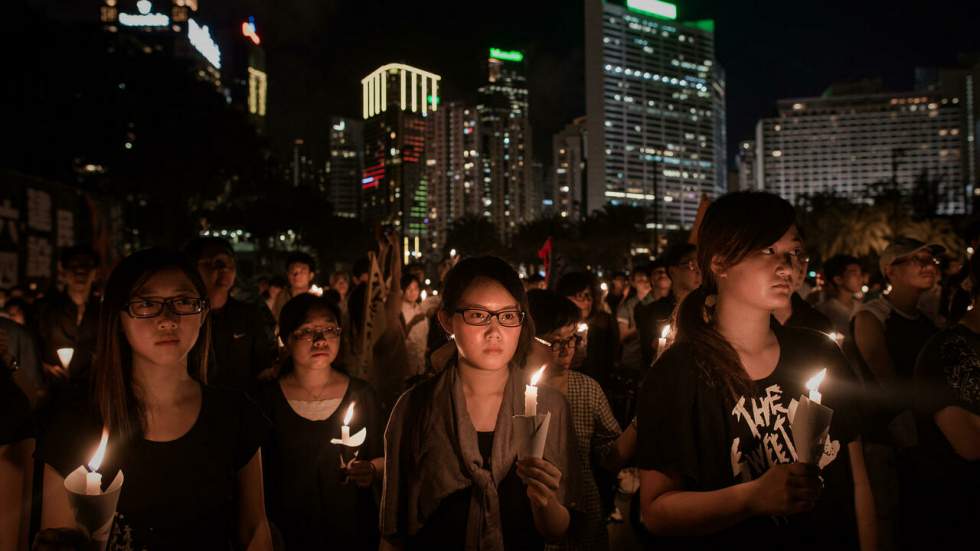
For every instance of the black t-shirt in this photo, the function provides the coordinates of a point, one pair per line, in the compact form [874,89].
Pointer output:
[944,489]
[446,528]
[307,498]
[242,346]
[15,411]
[179,494]
[687,426]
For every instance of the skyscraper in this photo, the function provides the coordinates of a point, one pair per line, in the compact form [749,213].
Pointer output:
[568,151]
[453,164]
[655,101]
[397,100]
[505,141]
[345,165]
[846,142]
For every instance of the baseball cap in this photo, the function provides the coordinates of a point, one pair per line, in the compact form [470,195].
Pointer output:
[906,246]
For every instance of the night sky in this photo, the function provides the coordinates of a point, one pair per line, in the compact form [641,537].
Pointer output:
[318,50]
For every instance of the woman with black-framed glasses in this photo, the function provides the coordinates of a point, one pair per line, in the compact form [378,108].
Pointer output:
[453,478]
[600,441]
[190,452]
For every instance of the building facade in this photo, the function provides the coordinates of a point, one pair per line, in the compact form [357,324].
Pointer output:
[505,142]
[569,150]
[453,163]
[345,165]
[397,102]
[852,143]
[655,102]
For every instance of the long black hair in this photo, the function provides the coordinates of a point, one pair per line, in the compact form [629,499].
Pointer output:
[734,226]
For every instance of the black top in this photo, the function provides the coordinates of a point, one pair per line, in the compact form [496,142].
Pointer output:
[242,346]
[15,411]
[945,485]
[806,316]
[306,495]
[57,328]
[178,494]
[688,426]
[446,528]
[650,320]
[602,348]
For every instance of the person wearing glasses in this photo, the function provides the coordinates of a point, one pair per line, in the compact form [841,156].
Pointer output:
[600,440]
[599,354]
[190,451]
[242,348]
[319,494]
[453,474]
[889,333]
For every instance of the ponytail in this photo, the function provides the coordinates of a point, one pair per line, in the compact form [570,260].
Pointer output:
[713,355]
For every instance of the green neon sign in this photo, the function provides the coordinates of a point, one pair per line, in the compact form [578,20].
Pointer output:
[656,8]
[505,55]
[707,25]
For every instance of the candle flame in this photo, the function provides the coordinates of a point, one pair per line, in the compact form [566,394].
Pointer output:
[814,383]
[583,327]
[665,332]
[96,461]
[349,414]
[537,375]
[315,290]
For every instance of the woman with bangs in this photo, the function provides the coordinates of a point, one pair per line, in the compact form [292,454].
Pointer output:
[189,451]
[716,455]
[320,493]
[453,478]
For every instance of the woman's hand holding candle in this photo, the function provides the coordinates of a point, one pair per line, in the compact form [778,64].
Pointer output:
[542,479]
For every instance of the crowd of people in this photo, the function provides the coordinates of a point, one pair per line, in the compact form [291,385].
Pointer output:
[230,407]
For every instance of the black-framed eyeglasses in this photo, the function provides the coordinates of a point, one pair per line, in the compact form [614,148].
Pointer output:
[312,335]
[561,345]
[922,260]
[479,316]
[151,308]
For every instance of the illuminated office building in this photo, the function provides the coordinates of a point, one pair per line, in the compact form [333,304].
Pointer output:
[344,166]
[397,102]
[569,162]
[655,106]
[505,142]
[453,165]
[846,143]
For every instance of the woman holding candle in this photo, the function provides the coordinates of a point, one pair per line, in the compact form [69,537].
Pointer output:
[452,475]
[598,329]
[716,453]
[189,452]
[312,501]
[598,436]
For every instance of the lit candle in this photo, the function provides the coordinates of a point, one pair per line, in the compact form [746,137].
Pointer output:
[93,480]
[662,341]
[531,394]
[345,430]
[452,253]
[423,295]
[813,385]
[583,327]
[314,290]
[65,355]
[604,287]
[836,337]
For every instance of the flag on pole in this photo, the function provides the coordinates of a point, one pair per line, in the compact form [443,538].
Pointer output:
[544,253]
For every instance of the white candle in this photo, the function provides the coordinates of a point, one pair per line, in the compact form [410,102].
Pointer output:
[93,480]
[531,394]
[583,327]
[65,355]
[345,430]
[813,385]
[662,341]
